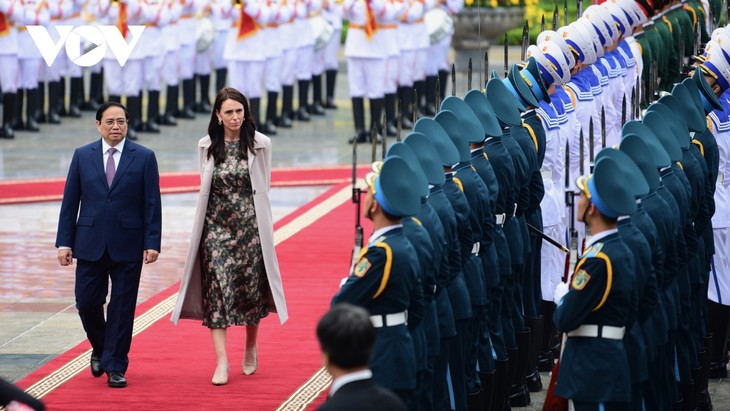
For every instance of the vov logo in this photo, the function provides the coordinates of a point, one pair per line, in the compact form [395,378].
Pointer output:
[101,37]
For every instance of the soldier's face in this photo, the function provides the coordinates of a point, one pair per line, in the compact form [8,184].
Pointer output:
[583,204]
[366,211]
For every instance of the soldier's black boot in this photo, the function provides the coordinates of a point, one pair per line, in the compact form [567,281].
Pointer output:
[255,104]
[188,95]
[302,113]
[269,127]
[443,78]
[532,379]
[519,396]
[487,392]
[358,116]
[153,111]
[405,95]
[391,128]
[316,107]
[134,106]
[430,109]
[287,106]
[6,131]
[330,79]
[40,115]
[545,359]
[168,117]
[376,114]
[204,104]
[220,79]
[96,91]
[420,87]
[17,118]
[54,100]
[76,99]
[61,107]
[32,107]
[502,385]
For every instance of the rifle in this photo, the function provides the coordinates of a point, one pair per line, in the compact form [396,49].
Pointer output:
[581,153]
[590,144]
[374,142]
[356,200]
[506,58]
[542,23]
[623,111]
[438,94]
[525,40]
[555,18]
[565,13]
[414,104]
[486,71]
[453,78]
[547,238]
[603,127]
[384,147]
[681,53]
[468,76]
[579,11]
[569,195]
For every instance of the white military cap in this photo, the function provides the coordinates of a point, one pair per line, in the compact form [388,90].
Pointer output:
[555,37]
[590,32]
[717,61]
[595,15]
[553,67]
[620,18]
[580,45]
[633,11]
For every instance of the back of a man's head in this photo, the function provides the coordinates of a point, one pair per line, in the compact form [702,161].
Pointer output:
[347,336]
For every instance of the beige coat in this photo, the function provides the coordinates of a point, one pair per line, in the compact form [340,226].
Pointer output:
[190,300]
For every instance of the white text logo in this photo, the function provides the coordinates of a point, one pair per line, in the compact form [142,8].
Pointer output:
[99,37]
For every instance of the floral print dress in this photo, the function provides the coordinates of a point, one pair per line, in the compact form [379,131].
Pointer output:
[235,287]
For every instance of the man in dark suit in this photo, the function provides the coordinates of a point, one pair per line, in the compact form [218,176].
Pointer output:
[110,221]
[347,337]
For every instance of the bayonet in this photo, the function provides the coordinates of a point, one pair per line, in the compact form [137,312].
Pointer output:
[556,15]
[525,40]
[506,57]
[399,115]
[565,13]
[603,127]
[414,105]
[438,94]
[468,76]
[356,199]
[373,143]
[384,147]
[591,144]
[698,39]
[581,153]
[542,23]
[486,72]
[453,79]
[623,110]
[579,10]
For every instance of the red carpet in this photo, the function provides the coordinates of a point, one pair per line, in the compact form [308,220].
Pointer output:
[171,367]
[51,189]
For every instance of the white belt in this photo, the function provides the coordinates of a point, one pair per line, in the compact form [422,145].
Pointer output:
[475,248]
[500,218]
[547,174]
[599,331]
[514,212]
[720,178]
[389,320]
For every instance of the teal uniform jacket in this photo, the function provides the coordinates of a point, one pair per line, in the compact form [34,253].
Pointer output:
[706,146]
[470,232]
[504,170]
[646,294]
[432,223]
[489,256]
[602,293]
[456,287]
[700,210]
[426,336]
[385,280]
[664,211]
[513,228]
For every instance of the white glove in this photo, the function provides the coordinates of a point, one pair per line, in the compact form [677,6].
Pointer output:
[560,290]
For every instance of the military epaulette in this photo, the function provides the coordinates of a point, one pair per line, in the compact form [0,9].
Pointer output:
[699,145]
[417,221]
[377,241]
[593,250]
[459,184]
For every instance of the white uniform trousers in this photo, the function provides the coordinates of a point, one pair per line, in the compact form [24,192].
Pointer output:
[331,52]
[272,72]
[186,61]
[552,261]
[719,288]
[169,68]
[152,68]
[202,62]
[30,72]
[407,65]
[438,57]
[9,73]
[318,62]
[304,62]
[288,63]
[123,81]
[366,76]
[219,45]
[391,78]
[246,77]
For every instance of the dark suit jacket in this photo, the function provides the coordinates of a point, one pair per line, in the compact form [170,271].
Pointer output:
[363,395]
[124,219]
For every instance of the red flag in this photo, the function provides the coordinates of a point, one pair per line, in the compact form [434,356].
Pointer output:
[371,25]
[4,26]
[122,20]
[246,26]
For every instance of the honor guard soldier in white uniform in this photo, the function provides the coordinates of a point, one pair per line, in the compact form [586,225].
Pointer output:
[365,48]
[35,12]
[437,63]
[316,108]
[89,13]
[77,96]
[171,41]
[304,52]
[388,27]
[186,62]
[222,23]
[203,60]
[280,14]
[332,11]
[288,37]
[158,16]
[55,74]
[414,43]
[245,52]
[10,16]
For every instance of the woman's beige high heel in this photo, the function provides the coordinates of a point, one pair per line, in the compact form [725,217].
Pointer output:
[220,377]
[250,361]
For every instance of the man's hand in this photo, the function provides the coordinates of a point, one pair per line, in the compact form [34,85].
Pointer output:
[65,256]
[150,256]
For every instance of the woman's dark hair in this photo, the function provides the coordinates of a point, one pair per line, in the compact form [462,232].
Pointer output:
[104,107]
[216,132]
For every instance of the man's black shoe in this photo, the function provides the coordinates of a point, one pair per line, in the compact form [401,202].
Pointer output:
[96,369]
[116,379]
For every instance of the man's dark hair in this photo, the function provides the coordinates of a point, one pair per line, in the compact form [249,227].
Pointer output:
[347,336]
[105,106]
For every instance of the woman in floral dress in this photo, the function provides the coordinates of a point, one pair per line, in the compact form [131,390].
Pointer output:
[232,275]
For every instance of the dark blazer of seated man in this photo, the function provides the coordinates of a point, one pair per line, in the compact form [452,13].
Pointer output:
[110,221]
[346,338]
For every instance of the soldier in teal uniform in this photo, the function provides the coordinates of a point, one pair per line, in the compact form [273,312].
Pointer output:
[463,127]
[459,231]
[430,163]
[426,336]
[599,305]
[385,278]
